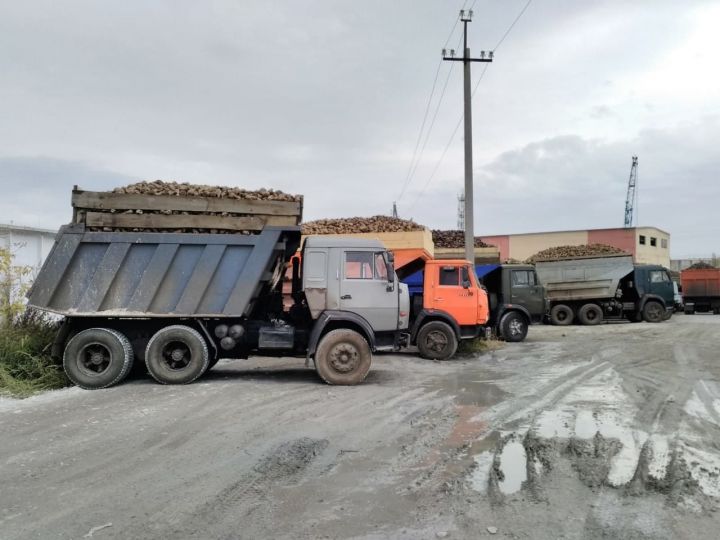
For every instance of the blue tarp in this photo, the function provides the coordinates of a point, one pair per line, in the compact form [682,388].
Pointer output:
[415,281]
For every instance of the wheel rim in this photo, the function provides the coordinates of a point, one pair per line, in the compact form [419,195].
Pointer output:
[561,315]
[176,355]
[95,358]
[654,311]
[436,341]
[591,315]
[344,357]
[515,327]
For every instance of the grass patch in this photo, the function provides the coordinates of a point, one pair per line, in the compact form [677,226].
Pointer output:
[25,363]
[469,347]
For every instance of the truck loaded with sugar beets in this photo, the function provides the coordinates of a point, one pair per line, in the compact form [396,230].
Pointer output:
[605,287]
[701,289]
[178,282]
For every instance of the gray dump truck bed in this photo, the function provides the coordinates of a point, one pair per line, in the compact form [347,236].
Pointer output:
[583,278]
[126,274]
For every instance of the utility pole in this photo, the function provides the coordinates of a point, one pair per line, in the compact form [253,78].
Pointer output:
[461,211]
[466,17]
[394,212]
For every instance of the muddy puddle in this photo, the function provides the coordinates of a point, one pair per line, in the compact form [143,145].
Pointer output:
[479,391]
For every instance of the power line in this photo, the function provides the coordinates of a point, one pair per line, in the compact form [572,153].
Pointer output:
[477,84]
[413,163]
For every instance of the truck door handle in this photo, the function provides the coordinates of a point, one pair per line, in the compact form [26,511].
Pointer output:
[346,297]
[439,299]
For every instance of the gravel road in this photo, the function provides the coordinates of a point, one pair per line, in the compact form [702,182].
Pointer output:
[603,432]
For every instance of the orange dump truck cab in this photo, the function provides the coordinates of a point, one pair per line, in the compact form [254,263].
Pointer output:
[451,307]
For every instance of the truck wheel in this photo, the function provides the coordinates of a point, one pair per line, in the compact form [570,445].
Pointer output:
[590,314]
[177,355]
[561,315]
[653,312]
[437,341]
[97,358]
[343,357]
[513,327]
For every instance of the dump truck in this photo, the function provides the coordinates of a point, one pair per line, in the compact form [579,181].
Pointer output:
[597,288]
[197,288]
[507,297]
[517,299]
[701,290]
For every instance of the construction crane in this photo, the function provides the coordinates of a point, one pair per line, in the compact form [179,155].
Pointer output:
[631,198]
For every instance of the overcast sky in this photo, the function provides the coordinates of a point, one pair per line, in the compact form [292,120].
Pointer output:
[326,98]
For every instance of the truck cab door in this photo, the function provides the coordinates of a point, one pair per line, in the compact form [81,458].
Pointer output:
[525,291]
[450,295]
[366,290]
[661,285]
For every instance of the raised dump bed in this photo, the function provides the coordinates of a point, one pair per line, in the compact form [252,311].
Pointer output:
[142,274]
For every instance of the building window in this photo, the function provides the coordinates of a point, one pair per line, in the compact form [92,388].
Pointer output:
[653,241]
[642,239]
[663,243]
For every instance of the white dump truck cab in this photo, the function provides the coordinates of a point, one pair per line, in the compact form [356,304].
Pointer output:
[352,292]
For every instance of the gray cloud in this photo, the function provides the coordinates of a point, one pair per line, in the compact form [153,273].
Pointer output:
[325,99]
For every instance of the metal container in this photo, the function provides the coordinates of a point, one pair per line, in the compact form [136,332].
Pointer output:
[126,274]
[583,278]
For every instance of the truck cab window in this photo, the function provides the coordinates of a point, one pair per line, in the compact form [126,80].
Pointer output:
[523,278]
[381,270]
[358,265]
[465,277]
[658,276]
[449,276]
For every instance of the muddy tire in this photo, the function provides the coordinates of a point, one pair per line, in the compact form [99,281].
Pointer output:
[653,312]
[590,314]
[513,327]
[177,355]
[97,358]
[343,357]
[561,315]
[436,340]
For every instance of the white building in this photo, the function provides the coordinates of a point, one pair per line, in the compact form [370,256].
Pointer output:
[28,245]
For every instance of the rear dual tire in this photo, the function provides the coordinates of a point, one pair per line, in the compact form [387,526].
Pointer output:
[97,358]
[561,315]
[177,355]
[590,314]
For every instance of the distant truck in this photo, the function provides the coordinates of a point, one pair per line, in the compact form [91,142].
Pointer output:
[593,289]
[701,290]
[515,298]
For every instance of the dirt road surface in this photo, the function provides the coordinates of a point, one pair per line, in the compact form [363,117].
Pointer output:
[603,432]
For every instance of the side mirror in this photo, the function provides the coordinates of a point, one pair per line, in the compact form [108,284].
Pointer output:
[391,272]
[466,284]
